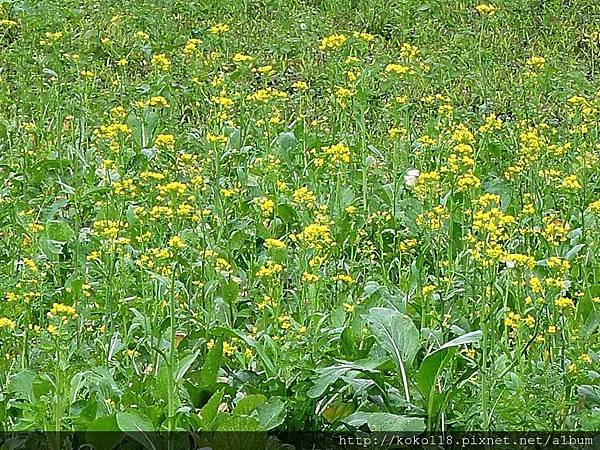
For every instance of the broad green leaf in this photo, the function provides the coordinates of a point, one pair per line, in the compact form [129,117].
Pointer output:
[238,424]
[22,383]
[379,421]
[210,368]
[285,142]
[329,375]
[209,412]
[230,291]
[591,393]
[287,213]
[185,364]
[396,333]
[337,412]
[248,404]
[138,426]
[102,433]
[434,362]
[271,414]
[574,251]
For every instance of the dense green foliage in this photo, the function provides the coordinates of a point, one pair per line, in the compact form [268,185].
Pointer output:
[299,215]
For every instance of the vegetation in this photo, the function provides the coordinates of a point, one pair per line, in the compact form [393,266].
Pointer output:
[299,215]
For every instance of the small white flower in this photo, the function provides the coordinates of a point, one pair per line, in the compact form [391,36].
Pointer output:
[411,177]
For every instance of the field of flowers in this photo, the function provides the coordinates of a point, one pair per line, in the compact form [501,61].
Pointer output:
[299,215]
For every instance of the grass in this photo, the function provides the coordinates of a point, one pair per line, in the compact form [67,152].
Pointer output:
[300,215]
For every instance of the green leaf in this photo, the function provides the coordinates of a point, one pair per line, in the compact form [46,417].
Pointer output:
[22,383]
[138,426]
[371,287]
[435,361]
[50,248]
[102,433]
[136,127]
[239,432]
[396,333]
[574,251]
[230,291]
[590,393]
[234,136]
[248,404]
[239,424]
[271,414]
[210,369]
[260,351]
[379,421]
[209,412]
[286,141]
[329,375]
[184,365]
[286,213]
[337,412]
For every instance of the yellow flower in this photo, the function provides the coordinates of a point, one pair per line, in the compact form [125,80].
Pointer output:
[512,319]
[269,269]
[300,85]
[304,196]
[486,9]
[266,205]
[363,36]
[274,243]
[428,289]
[229,349]
[35,227]
[316,235]
[59,309]
[140,35]
[5,322]
[176,242]
[468,181]
[240,57]
[529,321]
[342,277]
[397,69]
[333,42]
[394,132]
[470,352]
[536,62]
[161,62]
[408,51]
[165,140]
[159,100]
[308,277]
[338,153]
[564,302]
[190,46]
[221,265]
[570,183]
[219,28]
